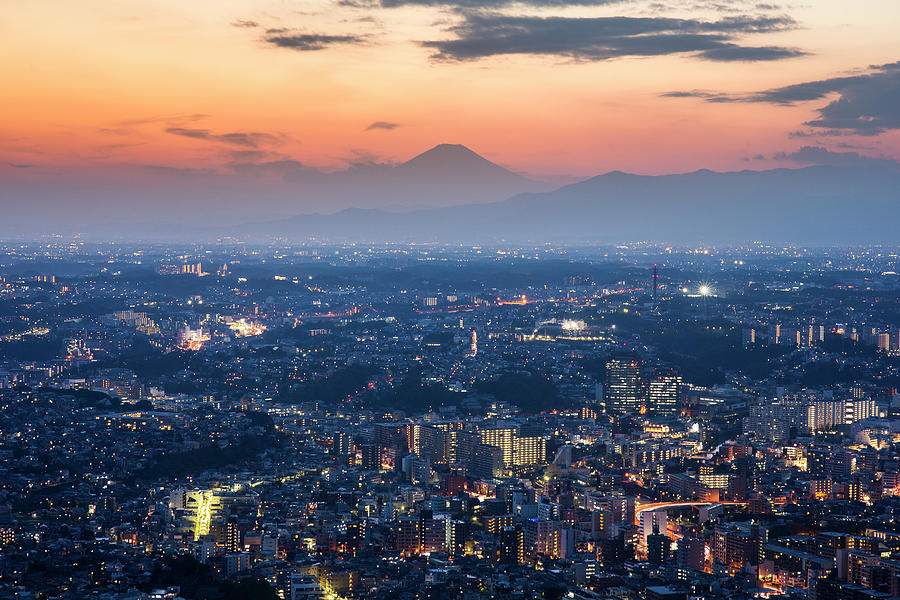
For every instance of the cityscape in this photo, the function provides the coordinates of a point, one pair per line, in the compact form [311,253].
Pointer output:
[450,300]
[401,421]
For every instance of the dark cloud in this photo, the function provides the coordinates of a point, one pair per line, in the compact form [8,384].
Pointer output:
[481,34]
[248,140]
[244,24]
[818,155]
[735,53]
[306,42]
[19,165]
[248,155]
[386,125]
[496,3]
[867,103]
[807,133]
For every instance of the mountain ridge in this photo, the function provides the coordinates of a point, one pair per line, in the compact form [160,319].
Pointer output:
[812,204]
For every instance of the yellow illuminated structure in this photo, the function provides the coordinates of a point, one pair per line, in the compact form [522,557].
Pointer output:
[204,515]
[567,329]
[197,510]
[517,451]
[244,328]
[503,438]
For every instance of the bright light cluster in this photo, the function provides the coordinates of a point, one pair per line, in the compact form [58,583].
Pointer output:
[244,328]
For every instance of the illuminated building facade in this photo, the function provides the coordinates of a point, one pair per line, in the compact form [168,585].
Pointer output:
[624,386]
[664,392]
[503,438]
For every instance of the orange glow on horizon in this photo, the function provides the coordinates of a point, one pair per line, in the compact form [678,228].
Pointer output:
[101,90]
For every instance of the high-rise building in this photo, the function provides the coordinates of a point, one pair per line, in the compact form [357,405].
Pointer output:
[460,446]
[412,433]
[748,336]
[517,450]
[734,546]
[415,469]
[408,535]
[826,414]
[690,553]
[487,461]
[503,437]
[389,434]
[650,521]
[530,451]
[624,385]
[371,457]
[541,538]
[858,409]
[664,392]
[772,421]
[343,446]
[233,535]
[815,334]
[658,548]
[434,529]
[511,545]
[236,562]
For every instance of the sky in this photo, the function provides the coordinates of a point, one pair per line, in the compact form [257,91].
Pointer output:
[106,95]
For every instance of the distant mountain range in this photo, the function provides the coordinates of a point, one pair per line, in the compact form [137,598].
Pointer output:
[165,202]
[446,175]
[813,205]
[451,194]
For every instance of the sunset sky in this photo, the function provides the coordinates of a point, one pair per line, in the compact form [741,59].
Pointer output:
[122,91]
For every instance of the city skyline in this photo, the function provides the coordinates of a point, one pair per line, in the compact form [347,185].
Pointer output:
[320,421]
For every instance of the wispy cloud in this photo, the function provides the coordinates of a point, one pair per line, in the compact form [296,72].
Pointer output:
[277,168]
[818,155]
[173,119]
[251,139]
[383,125]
